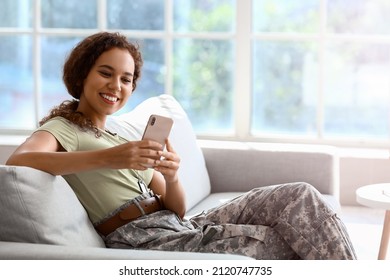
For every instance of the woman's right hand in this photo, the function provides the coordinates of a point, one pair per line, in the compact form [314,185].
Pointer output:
[139,155]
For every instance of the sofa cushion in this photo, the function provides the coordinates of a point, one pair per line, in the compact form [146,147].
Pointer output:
[192,172]
[37,207]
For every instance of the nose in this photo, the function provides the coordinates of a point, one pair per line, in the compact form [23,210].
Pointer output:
[115,84]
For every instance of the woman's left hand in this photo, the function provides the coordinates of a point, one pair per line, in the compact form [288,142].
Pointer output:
[169,164]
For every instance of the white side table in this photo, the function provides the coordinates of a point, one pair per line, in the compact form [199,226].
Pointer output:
[378,196]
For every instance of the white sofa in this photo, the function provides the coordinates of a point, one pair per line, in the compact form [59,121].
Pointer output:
[42,218]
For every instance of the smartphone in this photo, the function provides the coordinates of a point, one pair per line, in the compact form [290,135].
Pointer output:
[158,129]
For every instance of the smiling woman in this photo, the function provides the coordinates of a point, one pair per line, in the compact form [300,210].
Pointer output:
[108,86]
[100,87]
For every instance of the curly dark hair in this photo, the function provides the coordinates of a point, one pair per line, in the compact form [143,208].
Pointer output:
[79,63]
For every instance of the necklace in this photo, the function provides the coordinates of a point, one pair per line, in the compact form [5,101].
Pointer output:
[98,132]
[109,132]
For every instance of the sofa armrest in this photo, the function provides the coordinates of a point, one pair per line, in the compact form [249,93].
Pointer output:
[33,251]
[237,166]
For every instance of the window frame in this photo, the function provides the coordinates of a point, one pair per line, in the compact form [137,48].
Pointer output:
[242,37]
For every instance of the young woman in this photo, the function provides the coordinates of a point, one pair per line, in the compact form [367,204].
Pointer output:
[133,206]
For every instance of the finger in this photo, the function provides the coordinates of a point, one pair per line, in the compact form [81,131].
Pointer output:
[169,146]
[167,168]
[170,156]
[167,164]
[149,153]
[170,152]
[150,144]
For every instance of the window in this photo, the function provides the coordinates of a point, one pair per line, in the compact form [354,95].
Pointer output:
[271,70]
[321,70]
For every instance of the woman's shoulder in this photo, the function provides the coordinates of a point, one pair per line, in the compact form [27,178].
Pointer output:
[57,122]
[63,130]
[58,119]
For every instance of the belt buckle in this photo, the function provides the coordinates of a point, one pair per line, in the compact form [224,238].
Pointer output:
[158,198]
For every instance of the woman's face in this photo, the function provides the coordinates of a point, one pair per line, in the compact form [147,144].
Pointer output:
[108,85]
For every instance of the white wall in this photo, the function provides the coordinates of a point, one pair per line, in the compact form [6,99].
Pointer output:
[359,171]
[357,168]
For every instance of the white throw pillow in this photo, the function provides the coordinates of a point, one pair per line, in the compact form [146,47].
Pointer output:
[192,173]
[37,207]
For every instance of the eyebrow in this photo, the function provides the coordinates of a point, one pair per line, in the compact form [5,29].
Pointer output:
[112,69]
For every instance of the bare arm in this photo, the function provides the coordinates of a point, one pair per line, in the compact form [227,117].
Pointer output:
[42,151]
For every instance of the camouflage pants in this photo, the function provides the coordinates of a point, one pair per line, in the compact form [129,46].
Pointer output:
[290,221]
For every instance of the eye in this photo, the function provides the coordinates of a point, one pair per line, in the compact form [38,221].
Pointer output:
[105,73]
[126,80]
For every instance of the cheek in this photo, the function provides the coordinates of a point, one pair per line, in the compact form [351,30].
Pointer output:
[128,91]
[92,83]
[126,96]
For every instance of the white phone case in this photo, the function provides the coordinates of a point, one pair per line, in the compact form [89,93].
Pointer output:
[158,129]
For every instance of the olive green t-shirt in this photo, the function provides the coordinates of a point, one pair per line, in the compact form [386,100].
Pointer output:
[103,190]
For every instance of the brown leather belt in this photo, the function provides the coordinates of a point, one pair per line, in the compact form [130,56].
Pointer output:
[149,205]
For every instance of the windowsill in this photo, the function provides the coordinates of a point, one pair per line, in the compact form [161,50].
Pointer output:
[12,140]
[368,153]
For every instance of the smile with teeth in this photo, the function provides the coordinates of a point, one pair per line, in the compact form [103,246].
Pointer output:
[109,98]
